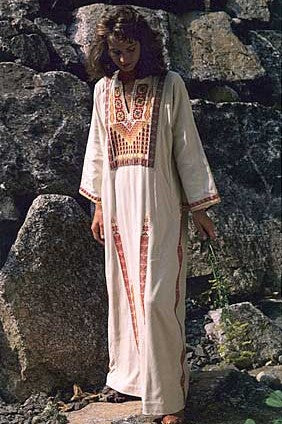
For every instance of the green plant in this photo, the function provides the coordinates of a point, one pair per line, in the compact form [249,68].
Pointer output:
[275,401]
[236,346]
[218,293]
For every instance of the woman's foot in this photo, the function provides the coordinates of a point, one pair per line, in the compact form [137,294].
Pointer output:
[111,395]
[175,418]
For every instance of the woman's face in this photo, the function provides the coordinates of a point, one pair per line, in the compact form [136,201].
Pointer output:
[124,54]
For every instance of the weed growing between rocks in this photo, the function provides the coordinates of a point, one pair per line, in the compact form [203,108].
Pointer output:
[235,347]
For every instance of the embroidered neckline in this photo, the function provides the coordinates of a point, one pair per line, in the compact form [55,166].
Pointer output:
[129,115]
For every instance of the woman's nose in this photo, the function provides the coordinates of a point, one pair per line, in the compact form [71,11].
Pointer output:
[123,59]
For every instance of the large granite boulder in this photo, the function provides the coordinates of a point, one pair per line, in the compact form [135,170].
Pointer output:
[249,10]
[246,337]
[43,135]
[242,143]
[44,125]
[268,46]
[19,8]
[204,48]
[41,45]
[53,302]
[22,42]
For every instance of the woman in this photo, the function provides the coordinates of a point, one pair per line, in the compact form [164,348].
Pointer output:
[144,168]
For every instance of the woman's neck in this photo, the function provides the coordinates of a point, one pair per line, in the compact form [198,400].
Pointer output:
[127,76]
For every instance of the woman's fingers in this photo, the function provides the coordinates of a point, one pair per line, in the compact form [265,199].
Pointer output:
[98,231]
[200,229]
[101,230]
[204,225]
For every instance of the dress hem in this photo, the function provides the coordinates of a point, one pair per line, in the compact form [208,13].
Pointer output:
[129,390]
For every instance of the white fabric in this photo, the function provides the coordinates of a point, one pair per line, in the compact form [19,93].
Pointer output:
[145,228]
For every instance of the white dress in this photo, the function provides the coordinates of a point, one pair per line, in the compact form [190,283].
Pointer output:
[148,168]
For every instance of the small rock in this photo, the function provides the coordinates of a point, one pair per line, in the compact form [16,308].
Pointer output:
[268,379]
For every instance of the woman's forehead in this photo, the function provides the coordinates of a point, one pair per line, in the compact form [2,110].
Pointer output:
[119,44]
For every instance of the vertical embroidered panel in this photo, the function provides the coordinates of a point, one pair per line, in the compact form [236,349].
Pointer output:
[132,136]
[128,286]
[177,296]
[144,240]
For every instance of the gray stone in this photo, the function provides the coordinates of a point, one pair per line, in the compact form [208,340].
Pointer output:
[242,144]
[268,379]
[267,46]
[43,135]
[18,8]
[65,57]
[22,42]
[53,302]
[250,10]
[204,48]
[245,329]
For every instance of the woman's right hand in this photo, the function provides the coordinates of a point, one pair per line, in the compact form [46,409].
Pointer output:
[97,226]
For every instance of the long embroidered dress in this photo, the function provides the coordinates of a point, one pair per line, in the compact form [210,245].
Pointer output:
[148,167]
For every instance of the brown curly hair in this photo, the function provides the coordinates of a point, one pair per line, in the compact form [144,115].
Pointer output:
[125,23]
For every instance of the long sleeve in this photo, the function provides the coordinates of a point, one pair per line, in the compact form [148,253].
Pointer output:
[91,179]
[190,158]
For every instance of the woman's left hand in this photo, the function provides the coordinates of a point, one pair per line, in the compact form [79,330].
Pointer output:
[204,224]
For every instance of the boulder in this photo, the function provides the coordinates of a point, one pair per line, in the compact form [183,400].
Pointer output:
[267,46]
[250,10]
[53,302]
[246,336]
[204,48]
[242,144]
[18,8]
[22,42]
[41,45]
[43,136]
[63,52]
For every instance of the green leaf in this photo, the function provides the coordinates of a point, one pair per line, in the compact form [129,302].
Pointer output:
[274,399]
[249,421]
[278,421]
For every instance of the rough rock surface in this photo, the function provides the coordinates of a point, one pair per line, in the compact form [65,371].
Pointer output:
[18,8]
[259,336]
[63,53]
[45,119]
[251,9]
[53,303]
[267,46]
[242,143]
[204,48]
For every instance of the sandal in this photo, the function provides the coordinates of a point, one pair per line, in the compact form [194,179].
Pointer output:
[177,418]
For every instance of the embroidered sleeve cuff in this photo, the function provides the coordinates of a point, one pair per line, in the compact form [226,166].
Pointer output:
[85,193]
[202,204]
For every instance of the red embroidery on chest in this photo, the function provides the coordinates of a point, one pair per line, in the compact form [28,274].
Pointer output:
[132,135]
